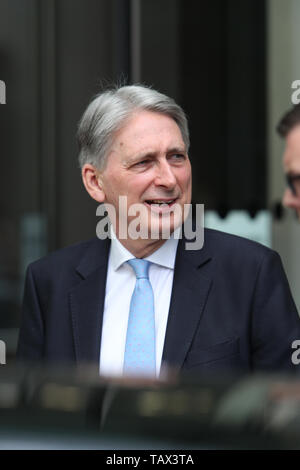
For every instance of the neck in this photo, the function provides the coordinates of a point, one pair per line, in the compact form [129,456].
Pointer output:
[141,248]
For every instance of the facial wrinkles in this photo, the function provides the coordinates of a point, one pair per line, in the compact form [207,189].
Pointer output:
[143,138]
[132,149]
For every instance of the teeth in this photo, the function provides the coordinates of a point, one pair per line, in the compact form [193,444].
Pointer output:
[161,202]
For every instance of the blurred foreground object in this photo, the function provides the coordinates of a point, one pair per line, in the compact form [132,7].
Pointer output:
[76,409]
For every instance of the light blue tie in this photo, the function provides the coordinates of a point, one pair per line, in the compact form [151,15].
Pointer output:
[139,358]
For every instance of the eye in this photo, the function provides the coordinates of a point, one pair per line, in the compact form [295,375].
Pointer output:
[141,163]
[178,156]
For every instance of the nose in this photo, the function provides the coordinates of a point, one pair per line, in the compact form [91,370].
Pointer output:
[165,176]
[289,200]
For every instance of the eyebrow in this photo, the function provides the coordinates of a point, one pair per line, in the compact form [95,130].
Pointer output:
[152,154]
[177,150]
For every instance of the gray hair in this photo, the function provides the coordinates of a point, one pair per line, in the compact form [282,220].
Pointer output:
[108,113]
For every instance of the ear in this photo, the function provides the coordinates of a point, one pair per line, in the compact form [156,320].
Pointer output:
[91,178]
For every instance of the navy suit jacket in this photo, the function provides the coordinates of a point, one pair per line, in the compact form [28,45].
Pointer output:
[231,307]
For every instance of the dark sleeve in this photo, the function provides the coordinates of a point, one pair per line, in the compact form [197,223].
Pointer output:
[275,320]
[31,338]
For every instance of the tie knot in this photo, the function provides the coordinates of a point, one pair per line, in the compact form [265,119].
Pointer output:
[140,267]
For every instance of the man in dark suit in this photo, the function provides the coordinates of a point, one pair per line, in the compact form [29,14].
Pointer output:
[226,306]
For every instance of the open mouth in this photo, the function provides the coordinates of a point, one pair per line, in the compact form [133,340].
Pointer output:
[161,202]
[160,205]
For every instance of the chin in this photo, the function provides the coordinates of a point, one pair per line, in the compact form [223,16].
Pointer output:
[162,228]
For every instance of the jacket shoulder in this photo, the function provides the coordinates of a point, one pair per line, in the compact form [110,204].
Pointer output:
[223,242]
[65,258]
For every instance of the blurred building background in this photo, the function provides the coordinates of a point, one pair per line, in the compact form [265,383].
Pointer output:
[229,63]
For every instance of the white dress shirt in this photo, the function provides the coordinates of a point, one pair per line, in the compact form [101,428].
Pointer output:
[120,284]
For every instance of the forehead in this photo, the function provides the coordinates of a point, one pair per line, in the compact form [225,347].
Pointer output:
[147,128]
[292,148]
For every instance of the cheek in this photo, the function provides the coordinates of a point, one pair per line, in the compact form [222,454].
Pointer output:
[139,184]
[113,185]
[186,180]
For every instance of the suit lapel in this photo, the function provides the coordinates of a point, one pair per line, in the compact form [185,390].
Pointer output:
[191,285]
[189,294]
[87,302]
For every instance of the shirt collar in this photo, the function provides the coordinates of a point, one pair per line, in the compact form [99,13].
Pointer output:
[164,256]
